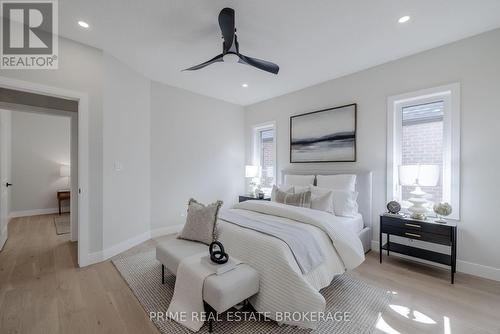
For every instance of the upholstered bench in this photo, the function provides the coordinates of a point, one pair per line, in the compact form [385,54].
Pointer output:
[220,292]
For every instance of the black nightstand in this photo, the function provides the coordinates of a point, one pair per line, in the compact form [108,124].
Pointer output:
[244,198]
[425,230]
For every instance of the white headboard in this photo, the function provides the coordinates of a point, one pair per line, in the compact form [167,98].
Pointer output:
[363,187]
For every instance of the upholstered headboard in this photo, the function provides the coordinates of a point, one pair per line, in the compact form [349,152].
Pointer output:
[363,187]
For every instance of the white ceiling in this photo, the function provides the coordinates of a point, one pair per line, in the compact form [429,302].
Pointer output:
[312,41]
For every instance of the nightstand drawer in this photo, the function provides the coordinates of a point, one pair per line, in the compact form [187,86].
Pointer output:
[417,226]
[416,234]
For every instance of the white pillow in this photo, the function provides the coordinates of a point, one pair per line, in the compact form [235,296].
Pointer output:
[344,201]
[300,189]
[284,188]
[323,202]
[299,180]
[337,182]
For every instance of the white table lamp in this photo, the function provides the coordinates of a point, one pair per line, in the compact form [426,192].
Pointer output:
[64,171]
[418,176]
[252,172]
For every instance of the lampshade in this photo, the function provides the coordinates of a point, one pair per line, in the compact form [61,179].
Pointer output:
[429,175]
[419,175]
[251,171]
[64,171]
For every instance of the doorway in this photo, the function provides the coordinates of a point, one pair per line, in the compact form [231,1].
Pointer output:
[40,159]
[16,95]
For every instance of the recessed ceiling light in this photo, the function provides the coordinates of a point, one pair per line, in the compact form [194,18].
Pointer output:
[404,19]
[245,85]
[83,24]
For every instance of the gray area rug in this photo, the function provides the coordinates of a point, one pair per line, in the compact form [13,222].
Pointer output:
[62,224]
[365,303]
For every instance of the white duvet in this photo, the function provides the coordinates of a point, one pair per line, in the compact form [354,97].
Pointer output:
[283,287]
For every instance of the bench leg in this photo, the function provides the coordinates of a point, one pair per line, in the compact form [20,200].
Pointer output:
[212,314]
[162,274]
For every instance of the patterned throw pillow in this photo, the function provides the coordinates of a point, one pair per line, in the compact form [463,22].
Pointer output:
[282,188]
[201,222]
[302,199]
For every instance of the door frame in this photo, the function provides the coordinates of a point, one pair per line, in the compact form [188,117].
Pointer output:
[83,154]
[5,169]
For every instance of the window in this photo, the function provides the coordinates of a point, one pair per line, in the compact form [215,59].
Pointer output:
[424,129]
[265,154]
[422,142]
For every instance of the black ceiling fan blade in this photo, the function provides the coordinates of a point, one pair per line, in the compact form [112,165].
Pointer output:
[260,64]
[226,24]
[215,59]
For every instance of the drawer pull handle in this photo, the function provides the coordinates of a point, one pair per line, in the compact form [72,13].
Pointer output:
[413,235]
[413,225]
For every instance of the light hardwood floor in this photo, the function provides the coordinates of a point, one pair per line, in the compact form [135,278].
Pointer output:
[43,291]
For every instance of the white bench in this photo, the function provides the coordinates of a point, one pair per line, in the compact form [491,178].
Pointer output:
[220,292]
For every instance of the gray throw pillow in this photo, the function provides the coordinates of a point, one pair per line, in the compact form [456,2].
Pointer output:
[201,222]
[282,188]
[279,195]
[302,199]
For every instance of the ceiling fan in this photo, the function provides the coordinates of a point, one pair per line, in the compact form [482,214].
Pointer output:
[230,47]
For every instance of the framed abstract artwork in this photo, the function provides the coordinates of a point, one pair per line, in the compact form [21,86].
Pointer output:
[327,135]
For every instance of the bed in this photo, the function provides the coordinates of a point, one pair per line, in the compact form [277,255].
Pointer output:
[363,187]
[285,287]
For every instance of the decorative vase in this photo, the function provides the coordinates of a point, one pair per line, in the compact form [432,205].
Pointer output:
[442,210]
[257,191]
[418,209]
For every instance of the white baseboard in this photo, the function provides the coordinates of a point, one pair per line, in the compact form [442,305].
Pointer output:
[109,252]
[478,270]
[37,212]
[166,230]
[89,259]
[125,245]
[465,267]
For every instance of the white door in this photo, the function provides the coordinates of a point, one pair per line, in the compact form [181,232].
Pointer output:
[5,153]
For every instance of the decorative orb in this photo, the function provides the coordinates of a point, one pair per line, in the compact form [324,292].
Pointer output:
[442,209]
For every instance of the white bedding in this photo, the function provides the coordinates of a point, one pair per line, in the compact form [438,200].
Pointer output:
[283,287]
[354,224]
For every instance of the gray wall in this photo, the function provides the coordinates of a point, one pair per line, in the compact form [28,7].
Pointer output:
[126,153]
[40,144]
[474,63]
[197,150]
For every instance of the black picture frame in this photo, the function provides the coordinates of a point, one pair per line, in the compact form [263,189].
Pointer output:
[322,111]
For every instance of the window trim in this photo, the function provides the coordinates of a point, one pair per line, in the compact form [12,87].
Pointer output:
[451,140]
[256,129]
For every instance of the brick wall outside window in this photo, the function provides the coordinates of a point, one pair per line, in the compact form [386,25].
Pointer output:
[267,163]
[422,143]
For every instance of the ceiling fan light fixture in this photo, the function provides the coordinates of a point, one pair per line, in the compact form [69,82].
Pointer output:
[230,49]
[231,58]
[244,85]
